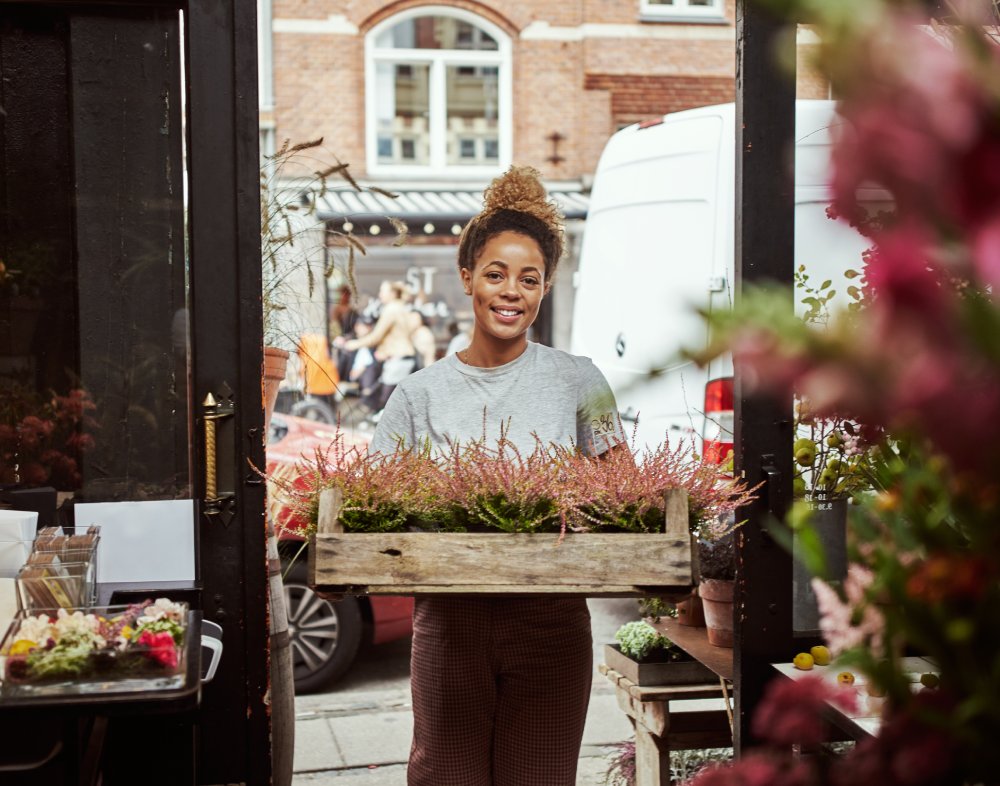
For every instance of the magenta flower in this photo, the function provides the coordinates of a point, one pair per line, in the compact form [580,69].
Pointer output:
[791,711]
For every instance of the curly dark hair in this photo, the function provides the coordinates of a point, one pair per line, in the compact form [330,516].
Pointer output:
[515,202]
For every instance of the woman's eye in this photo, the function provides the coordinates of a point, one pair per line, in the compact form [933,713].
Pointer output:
[494,276]
[531,282]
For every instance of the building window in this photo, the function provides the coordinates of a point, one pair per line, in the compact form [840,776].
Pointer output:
[682,10]
[438,94]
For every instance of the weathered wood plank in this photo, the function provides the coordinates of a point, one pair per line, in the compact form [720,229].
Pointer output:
[421,563]
[330,502]
[536,590]
[488,560]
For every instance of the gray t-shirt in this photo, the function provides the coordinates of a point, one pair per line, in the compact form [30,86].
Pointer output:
[559,397]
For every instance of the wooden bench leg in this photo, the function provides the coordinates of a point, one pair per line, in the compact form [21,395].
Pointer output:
[652,758]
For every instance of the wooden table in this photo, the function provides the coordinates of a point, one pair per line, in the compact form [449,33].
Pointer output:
[692,722]
[867,721]
[694,641]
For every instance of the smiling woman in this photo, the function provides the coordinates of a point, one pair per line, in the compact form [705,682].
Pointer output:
[511,712]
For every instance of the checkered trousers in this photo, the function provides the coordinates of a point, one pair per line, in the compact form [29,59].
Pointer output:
[500,691]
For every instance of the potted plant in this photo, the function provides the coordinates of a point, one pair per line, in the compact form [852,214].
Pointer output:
[833,461]
[717,578]
[646,657]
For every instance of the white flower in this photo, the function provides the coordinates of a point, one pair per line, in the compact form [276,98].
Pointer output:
[36,629]
[162,608]
[84,627]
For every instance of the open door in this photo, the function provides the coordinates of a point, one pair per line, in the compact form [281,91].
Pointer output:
[129,293]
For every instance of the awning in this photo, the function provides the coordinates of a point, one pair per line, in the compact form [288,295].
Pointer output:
[424,211]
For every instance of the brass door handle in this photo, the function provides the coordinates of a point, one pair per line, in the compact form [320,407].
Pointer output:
[214,410]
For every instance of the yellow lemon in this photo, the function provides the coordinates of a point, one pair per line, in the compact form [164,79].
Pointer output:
[929,679]
[845,678]
[803,661]
[22,647]
[821,655]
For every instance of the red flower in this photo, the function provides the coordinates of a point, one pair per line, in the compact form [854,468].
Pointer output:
[791,711]
[159,647]
[757,769]
[950,577]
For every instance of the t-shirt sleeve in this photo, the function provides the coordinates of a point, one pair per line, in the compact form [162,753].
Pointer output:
[598,426]
[395,424]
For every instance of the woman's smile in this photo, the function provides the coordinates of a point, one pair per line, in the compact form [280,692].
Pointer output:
[507,285]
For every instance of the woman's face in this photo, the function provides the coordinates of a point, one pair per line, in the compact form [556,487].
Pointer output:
[506,285]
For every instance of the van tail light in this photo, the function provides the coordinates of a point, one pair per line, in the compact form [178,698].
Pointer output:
[717,439]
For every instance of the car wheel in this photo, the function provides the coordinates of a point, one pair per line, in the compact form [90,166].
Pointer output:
[324,636]
[313,409]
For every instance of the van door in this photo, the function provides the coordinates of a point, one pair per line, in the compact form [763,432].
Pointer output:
[648,249]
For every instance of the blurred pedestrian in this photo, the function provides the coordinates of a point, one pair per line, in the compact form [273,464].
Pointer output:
[423,339]
[343,316]
[390,340]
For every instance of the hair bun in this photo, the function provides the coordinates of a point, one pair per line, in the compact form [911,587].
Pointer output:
[520,189]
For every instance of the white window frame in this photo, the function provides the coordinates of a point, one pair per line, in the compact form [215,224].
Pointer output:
[439,60]
[681,11]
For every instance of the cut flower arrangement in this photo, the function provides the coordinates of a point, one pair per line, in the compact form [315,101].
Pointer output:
[142,640]
[483,487]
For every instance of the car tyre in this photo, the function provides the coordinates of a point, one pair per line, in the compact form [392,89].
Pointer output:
[315,410]
[324,636]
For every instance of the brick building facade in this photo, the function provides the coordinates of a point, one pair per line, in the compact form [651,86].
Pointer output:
[546,83]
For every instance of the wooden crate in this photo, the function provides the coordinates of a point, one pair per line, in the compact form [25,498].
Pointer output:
[683,672]
[439,563]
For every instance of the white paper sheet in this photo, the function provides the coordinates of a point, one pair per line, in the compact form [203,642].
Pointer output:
[141,541]
[17,531]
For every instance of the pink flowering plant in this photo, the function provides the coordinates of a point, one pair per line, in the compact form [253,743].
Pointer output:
[484,486]
[42,441]
[918,364]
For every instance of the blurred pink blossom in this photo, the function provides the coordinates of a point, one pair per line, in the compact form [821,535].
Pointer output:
[791,711]
[756,769]
[838,618]
[922,124]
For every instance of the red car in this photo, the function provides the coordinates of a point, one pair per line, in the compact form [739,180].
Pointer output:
[325,636]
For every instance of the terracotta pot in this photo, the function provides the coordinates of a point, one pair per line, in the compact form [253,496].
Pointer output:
[275,365]
[717,598]
[690,612]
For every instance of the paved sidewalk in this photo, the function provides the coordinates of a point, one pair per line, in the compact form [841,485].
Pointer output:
[364,739]
[347,742]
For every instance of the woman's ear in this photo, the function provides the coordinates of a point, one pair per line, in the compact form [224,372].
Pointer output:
[466,276]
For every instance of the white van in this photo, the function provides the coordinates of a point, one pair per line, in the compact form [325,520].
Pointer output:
[659,244]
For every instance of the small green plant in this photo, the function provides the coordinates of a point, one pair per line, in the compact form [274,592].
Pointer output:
[656,608]
[639,640]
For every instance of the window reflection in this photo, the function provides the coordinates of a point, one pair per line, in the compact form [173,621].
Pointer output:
[435,32]
[473,135]
[403,111]
[93,333]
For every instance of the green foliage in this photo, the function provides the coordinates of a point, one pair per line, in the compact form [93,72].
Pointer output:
[638,640]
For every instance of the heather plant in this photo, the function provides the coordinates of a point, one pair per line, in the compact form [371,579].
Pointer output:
[380,494]
[621,768]
[501,488]
[483,486]
[623,489]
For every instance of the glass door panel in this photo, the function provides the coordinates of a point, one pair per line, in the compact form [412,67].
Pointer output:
[94,360]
